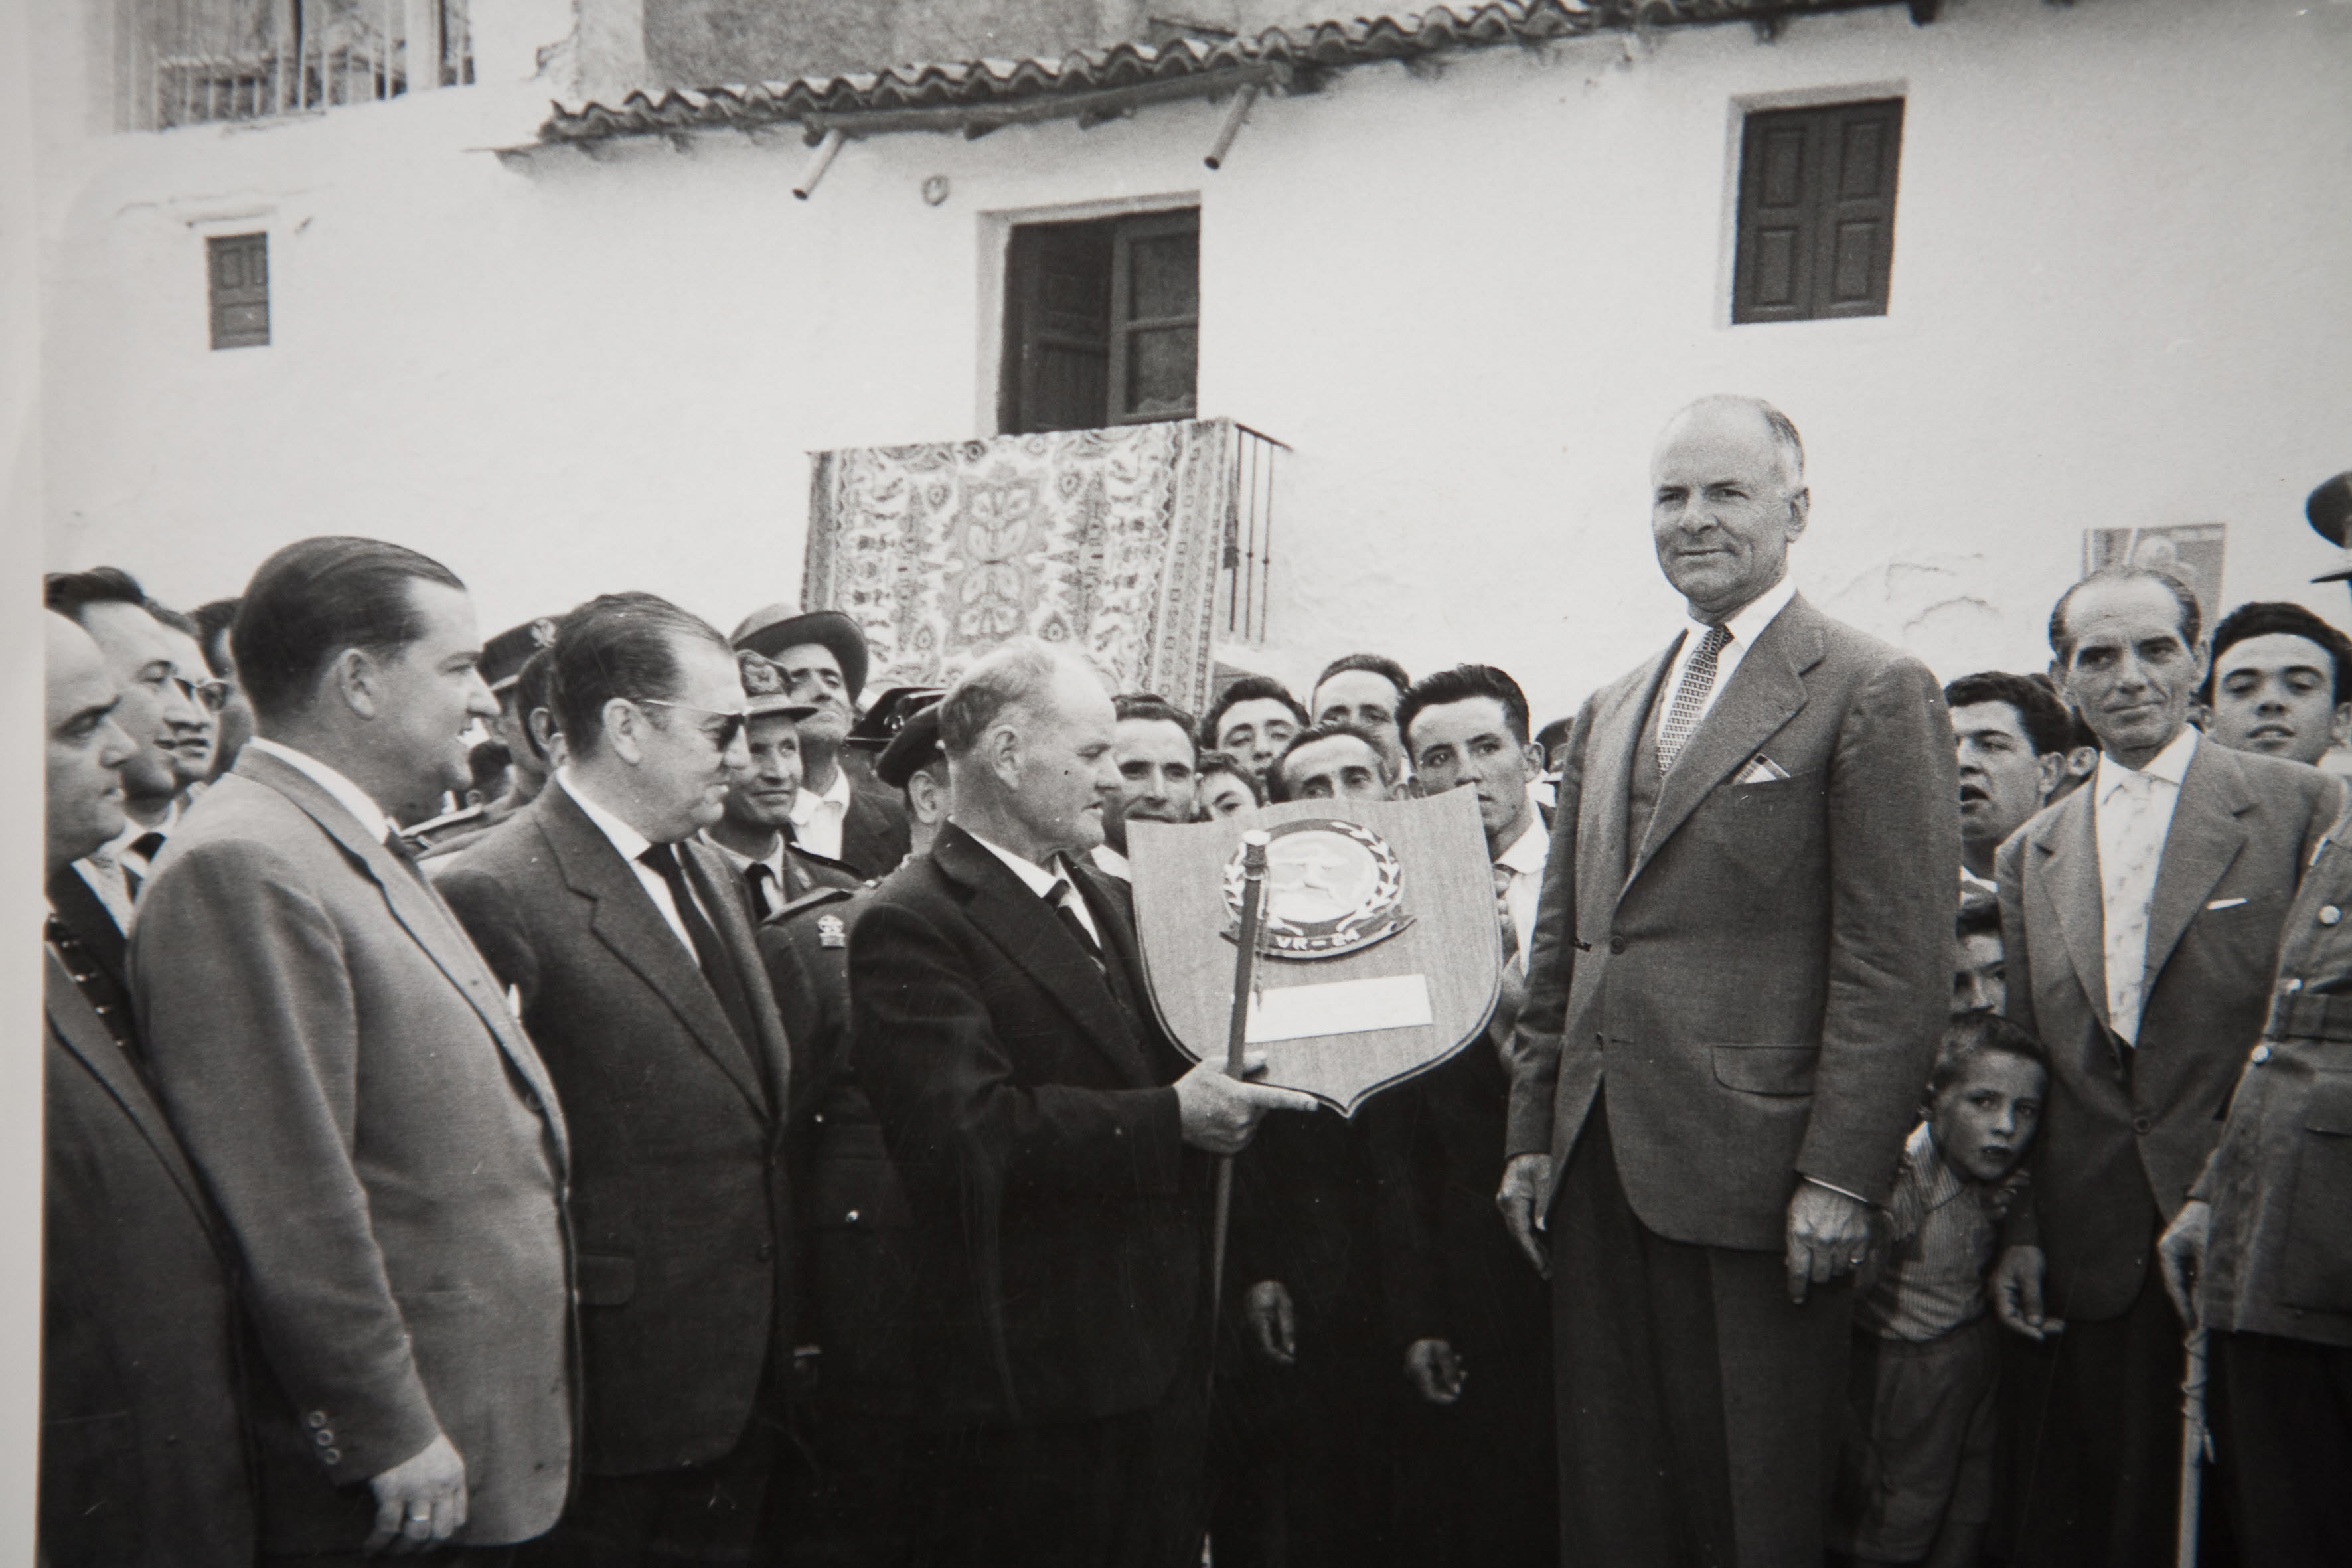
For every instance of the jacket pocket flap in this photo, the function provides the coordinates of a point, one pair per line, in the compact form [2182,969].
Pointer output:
[2329,1110]
[605,1280]
[1765,1068]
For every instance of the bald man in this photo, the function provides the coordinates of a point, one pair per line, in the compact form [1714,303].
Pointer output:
[1739,969]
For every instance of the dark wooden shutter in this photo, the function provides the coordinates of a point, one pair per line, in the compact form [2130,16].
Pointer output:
[1057,328]
[1816,233]
[239,266]
[1155,345]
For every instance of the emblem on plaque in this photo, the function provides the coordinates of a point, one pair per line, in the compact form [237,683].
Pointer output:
[1331,887]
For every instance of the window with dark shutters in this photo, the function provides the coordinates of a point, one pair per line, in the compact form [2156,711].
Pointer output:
[240,289]
[1816,233]
[1101,323]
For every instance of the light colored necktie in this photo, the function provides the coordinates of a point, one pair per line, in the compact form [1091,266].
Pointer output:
[1504,877]
[1690,697]
[2129,888]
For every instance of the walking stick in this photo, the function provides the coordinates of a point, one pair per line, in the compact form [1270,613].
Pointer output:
[2196,1447]
[1253,844]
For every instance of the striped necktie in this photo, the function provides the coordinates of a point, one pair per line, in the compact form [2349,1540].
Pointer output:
[1690,697]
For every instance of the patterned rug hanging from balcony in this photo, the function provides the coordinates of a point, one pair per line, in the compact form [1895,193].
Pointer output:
[1107,541]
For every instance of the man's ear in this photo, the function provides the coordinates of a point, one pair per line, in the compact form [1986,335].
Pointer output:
[355,678]
[625,730]
[2340,724]
[1004,753]
[1536,761]
[2052,766]
[1801,507]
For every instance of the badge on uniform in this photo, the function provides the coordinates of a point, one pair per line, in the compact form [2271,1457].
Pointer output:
[832,931]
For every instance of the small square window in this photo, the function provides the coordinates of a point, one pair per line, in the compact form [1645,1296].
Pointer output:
[239,265]
[1816,212]
[1102,322]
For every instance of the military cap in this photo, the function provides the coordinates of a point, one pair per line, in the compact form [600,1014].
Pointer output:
[889,715]
[763,688]
[504,654]
[771,630]
[916,745]
[2329,511]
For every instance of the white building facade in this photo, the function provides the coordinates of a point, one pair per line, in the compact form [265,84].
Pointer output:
[1465,290]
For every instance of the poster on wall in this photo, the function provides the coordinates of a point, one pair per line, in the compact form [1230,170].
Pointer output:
[2189,551]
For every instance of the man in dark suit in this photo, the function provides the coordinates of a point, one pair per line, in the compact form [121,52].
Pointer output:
[380,1137]
[1737,979]
[1049,1137]
[625,942]
[2140,920]
[1470,1321]
[841,816]
[143,1446]
[2261,1255]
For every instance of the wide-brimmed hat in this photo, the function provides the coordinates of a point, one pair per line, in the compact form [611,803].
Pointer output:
[763,688]
[771,630]
[2329,511]
[916,745]
[504,654]
[881,723]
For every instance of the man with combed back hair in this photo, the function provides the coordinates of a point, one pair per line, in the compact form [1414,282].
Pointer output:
[1051,1141]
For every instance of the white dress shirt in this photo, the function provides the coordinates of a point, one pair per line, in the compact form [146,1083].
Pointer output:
[1745,628]
[2132,816]
[1523,860]
[817,818]
[1111,863]
[631,844]
[1040,880]
[347,794]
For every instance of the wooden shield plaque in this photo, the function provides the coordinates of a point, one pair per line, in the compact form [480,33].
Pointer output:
[1382,956]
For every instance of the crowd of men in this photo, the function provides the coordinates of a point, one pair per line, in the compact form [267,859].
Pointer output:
[742,1131]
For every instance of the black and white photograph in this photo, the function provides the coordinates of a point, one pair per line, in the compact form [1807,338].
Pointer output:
[1178,784]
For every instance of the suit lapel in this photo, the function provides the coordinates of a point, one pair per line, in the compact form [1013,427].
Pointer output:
[1764,693]
[83,1033]
[421,913]
[2068,846]
[1019,923]
[625,920]
[2205,839]
[82,913]
[708,871]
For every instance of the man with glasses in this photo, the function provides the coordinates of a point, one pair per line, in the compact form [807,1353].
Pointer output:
[623,938]
[194,735]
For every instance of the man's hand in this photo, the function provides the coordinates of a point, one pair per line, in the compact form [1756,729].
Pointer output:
[2015,1286]
[1219,1115]
[1829,1234]
[1273,1322]
[1526,1180]
[1434,1370]
[420,1502]
[2182,1250]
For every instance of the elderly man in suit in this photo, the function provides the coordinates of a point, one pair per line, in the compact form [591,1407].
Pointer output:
[142,1451]
[2140,919]
[627,945]
[2261,1255]
[1736,982]
[842,815]
[381,1139]
[1049,1137]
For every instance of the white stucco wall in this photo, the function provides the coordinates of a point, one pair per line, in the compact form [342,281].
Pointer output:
[1466,298]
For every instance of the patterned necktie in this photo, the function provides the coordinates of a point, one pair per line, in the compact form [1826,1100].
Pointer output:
[1058,896]
[1504,876]
[1690,697]
[2128,889]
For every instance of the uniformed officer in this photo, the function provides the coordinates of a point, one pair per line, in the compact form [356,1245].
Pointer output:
[855,1275]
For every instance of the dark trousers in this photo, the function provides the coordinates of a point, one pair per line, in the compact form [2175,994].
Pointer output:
[2287,1426]
[1120,1491]
[1698,1408]
[2097,1421]
[448,1557]
[1302,1463]
[711,1516]
[845,1503]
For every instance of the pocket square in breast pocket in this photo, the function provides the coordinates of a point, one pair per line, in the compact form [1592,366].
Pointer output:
[2223,904]
[1763,769]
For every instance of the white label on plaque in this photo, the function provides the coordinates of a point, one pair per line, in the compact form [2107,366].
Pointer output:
[1340,1008]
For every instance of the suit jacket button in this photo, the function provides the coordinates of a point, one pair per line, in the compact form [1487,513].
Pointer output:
[2141,1124]
[2261,1053]
[332,1455]
[767,1250]
[2330,915]
[317,1418]
[853,1216]
[2293,985]
[1616,944]
[324,1438]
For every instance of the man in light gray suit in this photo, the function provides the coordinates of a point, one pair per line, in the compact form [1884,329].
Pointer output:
[1739,973]
[380,1137]
[2140,920]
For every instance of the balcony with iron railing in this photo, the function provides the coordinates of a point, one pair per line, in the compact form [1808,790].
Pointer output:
[224,61]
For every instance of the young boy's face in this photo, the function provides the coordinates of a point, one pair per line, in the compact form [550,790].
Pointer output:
[1984,1119]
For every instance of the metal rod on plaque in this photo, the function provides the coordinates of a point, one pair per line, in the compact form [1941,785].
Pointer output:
[1253,844]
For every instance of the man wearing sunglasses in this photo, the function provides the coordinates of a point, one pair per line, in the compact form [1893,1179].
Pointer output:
[623,938]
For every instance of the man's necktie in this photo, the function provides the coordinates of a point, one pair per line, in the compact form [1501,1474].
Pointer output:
[756,878]
[1690,697]
[1504,876]
[709,953]
[2129,886]
[147,846]
[1058,894]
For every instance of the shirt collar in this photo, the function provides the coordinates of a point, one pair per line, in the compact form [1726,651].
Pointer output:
[1529,850]
[1749,623]
[1938,1185]
[1111,861]
[626,838]
[347,794]
[838,793]
[1035,878]
[2170,764]
[739,862]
